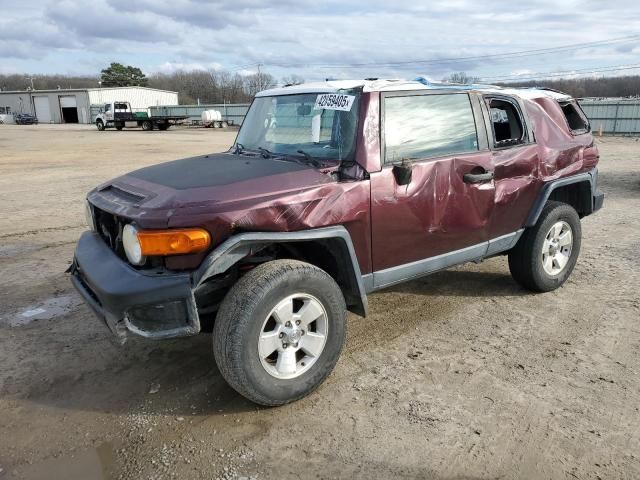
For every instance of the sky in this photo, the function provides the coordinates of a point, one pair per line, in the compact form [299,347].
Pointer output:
[318,39]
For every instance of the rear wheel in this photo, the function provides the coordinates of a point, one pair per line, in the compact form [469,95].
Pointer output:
[147,126]
[99,125]
[119,126]
[164,126]
[546,254]
[279,331]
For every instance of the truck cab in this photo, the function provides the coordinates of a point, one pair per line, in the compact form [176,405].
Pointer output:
[115,115]
[330,192]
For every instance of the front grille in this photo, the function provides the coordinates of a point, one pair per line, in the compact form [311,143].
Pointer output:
[109,227]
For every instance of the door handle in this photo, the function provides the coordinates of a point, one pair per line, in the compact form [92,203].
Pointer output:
[477,177]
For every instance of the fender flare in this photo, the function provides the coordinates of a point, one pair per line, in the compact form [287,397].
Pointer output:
[239,246]
[545,192]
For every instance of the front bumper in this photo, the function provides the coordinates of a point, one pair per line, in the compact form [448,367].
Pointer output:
[154,304]
[598,200]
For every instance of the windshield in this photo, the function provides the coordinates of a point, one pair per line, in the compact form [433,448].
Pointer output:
[311,125]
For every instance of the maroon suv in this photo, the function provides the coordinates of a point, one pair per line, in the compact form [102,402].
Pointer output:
[332,191]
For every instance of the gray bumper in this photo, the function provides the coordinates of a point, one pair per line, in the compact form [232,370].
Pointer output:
[155,304]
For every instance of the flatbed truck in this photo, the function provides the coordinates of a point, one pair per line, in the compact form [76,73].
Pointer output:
[120,115]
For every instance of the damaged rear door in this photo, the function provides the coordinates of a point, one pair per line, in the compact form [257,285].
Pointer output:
[440,215]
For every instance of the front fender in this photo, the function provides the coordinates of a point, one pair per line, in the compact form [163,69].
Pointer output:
[242,245]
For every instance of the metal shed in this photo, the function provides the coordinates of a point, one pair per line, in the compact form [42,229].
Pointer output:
[74,105]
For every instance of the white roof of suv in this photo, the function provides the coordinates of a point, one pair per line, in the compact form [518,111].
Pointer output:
[392,85]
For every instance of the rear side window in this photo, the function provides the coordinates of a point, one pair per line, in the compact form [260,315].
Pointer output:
[424,126]
[507,124]
[576,120]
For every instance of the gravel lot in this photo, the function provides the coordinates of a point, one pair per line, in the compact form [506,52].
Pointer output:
[459,375]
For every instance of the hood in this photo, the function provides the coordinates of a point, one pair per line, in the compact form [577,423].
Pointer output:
[203,185]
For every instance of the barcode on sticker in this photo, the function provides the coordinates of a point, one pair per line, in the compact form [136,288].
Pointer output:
[334,101]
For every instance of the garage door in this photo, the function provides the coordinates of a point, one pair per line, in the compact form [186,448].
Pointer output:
[42,109]
[68,101]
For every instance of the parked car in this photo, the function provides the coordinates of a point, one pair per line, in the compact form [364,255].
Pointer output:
[24,119]
[330,192]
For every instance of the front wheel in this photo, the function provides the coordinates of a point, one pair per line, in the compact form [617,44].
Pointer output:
[279,331]
[546,253]
[147,126]
[100,125]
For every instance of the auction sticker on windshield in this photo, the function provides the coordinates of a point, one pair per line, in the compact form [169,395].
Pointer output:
[334,101]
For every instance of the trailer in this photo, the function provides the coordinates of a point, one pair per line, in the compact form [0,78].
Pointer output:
[120,115]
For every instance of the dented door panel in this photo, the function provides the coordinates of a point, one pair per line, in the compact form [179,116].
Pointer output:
[436,213]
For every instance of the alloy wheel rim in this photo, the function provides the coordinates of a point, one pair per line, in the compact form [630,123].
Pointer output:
[557,247]
[293,336]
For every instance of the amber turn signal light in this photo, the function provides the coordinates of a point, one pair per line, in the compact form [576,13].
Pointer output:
[173,242]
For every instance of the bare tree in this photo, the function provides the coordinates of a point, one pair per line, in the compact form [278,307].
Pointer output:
[258,81]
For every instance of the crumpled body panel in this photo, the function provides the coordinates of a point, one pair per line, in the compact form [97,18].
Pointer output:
[298,200]
[435,214]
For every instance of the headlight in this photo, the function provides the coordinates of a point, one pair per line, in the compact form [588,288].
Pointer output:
[132,245]
[88,216]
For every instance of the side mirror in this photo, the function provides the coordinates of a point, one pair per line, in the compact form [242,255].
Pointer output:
[402,173]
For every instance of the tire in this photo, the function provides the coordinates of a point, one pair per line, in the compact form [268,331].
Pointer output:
[247,315]
[99,125]
[119,127]
[164,126]
[147,126]
[533,262]
[224,124]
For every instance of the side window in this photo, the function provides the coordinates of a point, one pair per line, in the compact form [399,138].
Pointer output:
[508,127]
[576,119]
[7,110]
[107,107]
[423,126]
[3,110]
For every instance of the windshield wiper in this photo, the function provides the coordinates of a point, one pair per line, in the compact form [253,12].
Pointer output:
[310,159]
[265,153]
[239,149]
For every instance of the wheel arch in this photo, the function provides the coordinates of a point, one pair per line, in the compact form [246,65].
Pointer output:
[576,190]
[329,248]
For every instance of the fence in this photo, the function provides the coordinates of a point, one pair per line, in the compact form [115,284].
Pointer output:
[612,115]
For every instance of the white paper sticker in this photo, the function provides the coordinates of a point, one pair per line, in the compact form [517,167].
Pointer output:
[334,101]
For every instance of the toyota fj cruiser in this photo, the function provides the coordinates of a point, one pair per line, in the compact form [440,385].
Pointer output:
[332,191]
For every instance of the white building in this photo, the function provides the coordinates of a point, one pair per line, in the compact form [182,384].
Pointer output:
[75,105]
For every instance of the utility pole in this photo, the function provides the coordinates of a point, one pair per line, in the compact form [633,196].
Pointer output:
[259,78]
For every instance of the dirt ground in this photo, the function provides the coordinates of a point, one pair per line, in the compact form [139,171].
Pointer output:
[461,375]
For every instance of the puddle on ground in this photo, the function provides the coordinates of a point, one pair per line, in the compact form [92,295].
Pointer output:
[91,464]
[47,310]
